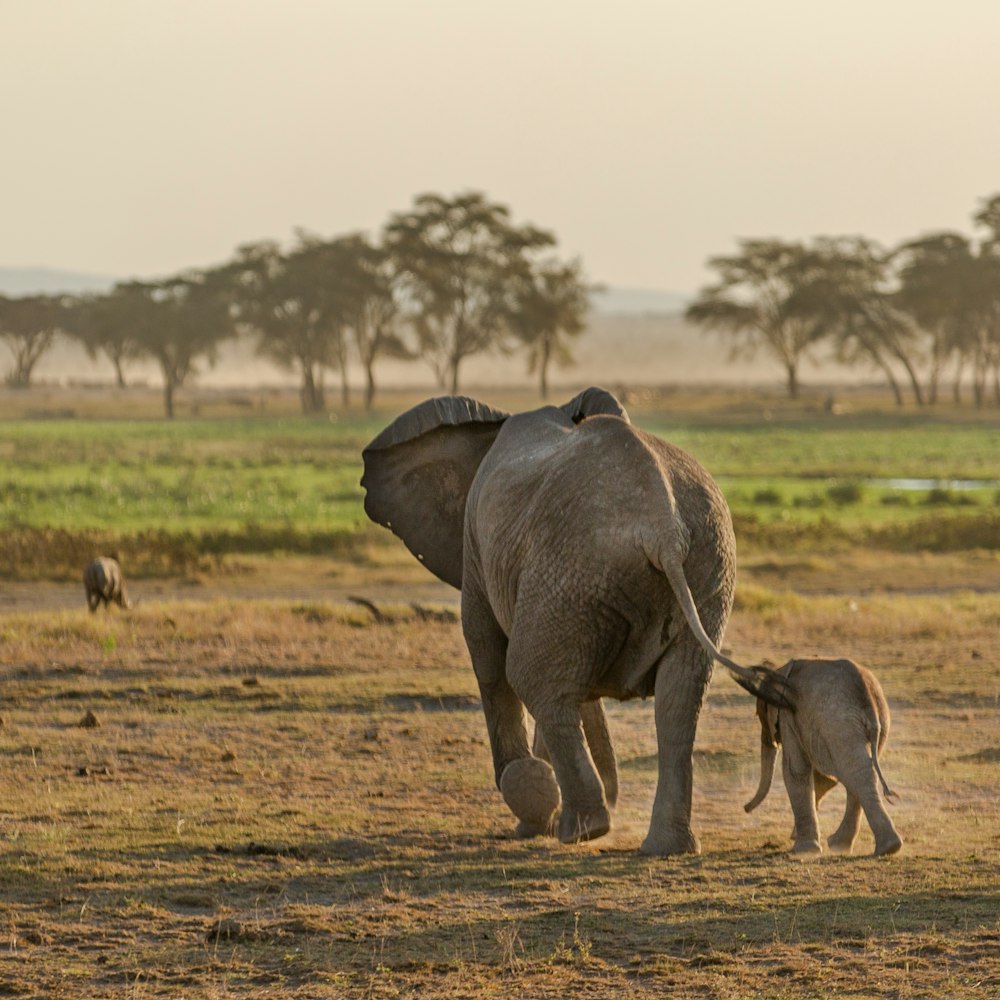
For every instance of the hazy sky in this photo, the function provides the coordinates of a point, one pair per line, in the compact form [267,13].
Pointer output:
[141,137]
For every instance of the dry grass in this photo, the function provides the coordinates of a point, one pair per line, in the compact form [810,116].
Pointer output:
[284,798]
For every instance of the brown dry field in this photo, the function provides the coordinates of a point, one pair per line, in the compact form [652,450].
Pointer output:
[283,797]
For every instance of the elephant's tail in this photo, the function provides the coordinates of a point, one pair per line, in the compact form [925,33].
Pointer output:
[763,682]
[876,736]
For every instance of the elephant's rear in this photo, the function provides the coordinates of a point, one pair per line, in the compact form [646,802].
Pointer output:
[875,696]
[629,510]
[678,517]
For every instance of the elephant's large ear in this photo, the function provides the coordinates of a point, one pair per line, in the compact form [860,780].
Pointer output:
[591,402]
[418,472]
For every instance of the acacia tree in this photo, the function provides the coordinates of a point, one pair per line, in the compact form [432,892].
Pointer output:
[180,321]
[938,277]
[459,258]
[106,324]
[836,294]
[989,217]
[28,326]
[989,253]
[850,293]
[549,309]
[757,302]
[368,287]
[290,304]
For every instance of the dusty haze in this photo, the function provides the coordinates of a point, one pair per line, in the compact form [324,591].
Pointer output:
[616,350]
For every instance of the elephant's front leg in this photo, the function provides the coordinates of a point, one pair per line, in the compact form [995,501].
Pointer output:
[681,680]
[527,784]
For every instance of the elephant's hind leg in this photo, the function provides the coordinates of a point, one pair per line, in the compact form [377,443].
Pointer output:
[798,775]
[860,780]
[595,728]
[842,839]
[527,784]
[545,671]
[681,680]
[585,813]
[602,751]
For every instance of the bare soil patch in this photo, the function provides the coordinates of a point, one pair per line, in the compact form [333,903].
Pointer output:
[289,798]
[390,576]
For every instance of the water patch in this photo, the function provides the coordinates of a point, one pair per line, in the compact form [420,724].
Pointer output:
[957,485]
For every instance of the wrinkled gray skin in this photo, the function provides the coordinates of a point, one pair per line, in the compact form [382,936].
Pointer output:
[840,712]
[594,561]
[103,581]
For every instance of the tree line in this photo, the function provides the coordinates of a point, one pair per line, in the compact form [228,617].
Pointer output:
[920,313]
[444,280]
[454,277]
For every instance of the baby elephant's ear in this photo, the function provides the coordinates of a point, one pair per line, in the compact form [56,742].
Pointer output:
[418,472]
[592,401]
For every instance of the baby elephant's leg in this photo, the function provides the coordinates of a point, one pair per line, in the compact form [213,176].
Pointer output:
[798,775]
[842,839]
[861,781]
[822,784]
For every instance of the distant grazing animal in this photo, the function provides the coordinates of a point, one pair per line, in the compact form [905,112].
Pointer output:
[840,711]
[103,581]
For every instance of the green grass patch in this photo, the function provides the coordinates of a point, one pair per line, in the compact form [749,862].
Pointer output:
[862,446]
[178,497]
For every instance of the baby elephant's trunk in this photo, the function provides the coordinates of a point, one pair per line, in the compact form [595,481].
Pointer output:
[768,755]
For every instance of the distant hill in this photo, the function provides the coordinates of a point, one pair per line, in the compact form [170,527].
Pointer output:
[48,281]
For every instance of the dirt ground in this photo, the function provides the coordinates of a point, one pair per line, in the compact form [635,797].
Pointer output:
[399,581]
[237,792]
[266,579]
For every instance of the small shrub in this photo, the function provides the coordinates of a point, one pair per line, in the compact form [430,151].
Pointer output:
[895,500]
[844,493]
[768,497]
[940,533]
[812,501]
[941,496]
[313,613]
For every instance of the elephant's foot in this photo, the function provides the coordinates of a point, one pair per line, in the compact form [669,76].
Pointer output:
[663,843]
[525,830]
[576,825]
[888,845]
[807,847]
[529,788]
[840,843]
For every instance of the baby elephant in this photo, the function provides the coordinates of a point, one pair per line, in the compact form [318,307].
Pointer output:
[840,711]
[103,581]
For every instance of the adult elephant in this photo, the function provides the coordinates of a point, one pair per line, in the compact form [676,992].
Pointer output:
[594,560]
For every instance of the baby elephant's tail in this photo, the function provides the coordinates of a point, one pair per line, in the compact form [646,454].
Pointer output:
[886,790]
